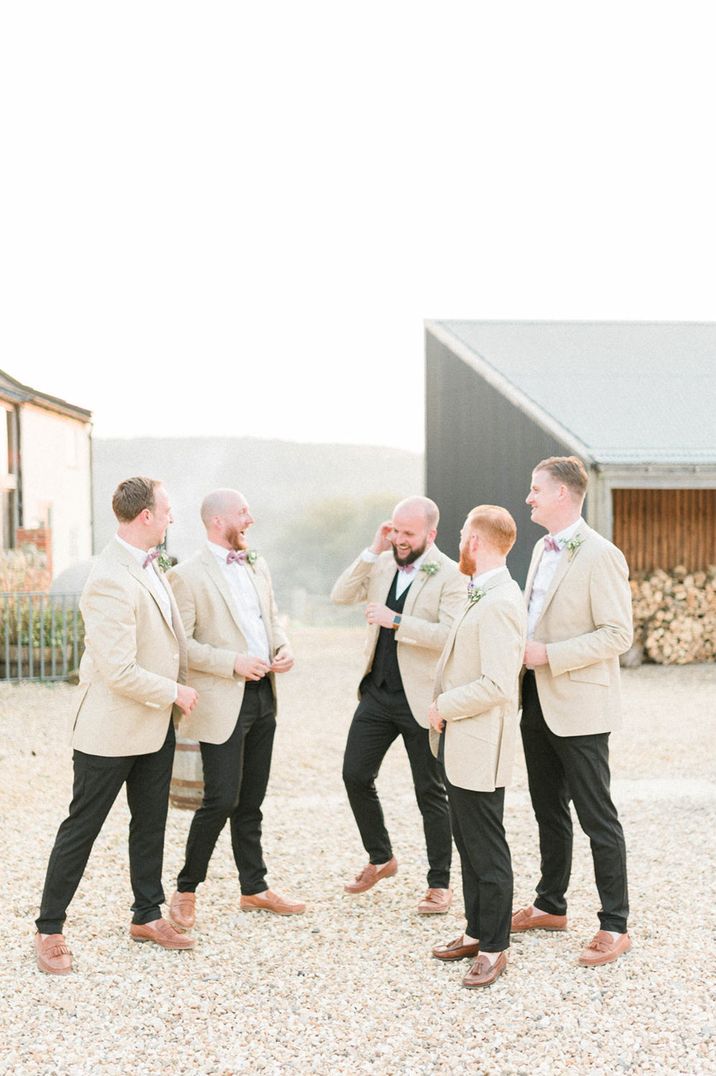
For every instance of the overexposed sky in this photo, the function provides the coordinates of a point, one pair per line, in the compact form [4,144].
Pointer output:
[232,219]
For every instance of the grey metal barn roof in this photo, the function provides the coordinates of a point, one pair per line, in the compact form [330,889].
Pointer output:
[618,392]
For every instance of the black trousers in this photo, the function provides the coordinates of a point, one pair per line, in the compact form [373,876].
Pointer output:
[97,782]
[576,768]
[381,717]
[236,776]
[487,882]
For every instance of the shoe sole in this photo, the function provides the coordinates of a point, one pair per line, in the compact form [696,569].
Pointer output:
[53,971]
[272,911]
[602,962]
[526,930]
[461,956]
[433,911]
[175,948]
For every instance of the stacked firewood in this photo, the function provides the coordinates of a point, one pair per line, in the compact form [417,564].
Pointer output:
[675,615]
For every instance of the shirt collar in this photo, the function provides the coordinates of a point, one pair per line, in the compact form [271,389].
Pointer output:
[140,555]
[568,532]
[478,580]
[219,551]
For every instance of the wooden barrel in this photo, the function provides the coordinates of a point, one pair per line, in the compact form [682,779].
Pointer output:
[187,785]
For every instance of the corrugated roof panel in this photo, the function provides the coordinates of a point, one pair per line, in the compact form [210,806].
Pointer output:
[627,390]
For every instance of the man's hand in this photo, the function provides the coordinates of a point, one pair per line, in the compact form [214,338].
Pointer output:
[381,542]
[283,660]
[536,653]
[186,698]
[250,667]
[437,722]
[379,614]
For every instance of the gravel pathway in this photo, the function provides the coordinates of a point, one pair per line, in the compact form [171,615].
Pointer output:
[350,987]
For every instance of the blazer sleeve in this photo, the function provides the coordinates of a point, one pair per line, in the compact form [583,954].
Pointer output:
[110,621]
[202,657]
[432,635]
[611,611]
[352,586]
[501,643]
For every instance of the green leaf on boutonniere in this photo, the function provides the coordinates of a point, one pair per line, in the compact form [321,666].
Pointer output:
[474,593]
[573,544]
[430,567]
[251,557]
[164,562]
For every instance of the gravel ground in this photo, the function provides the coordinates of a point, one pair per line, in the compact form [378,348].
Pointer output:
[350,987]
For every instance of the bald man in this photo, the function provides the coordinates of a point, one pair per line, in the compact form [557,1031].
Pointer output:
[236,646]
[413,593]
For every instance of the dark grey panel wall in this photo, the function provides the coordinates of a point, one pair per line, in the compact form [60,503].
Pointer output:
[479,449]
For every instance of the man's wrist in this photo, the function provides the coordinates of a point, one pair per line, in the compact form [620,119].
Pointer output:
[396,621]
[369,556]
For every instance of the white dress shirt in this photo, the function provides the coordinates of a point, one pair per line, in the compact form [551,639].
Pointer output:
[481,579]
[545,574]
[404,578]
[245,602]
[152,576]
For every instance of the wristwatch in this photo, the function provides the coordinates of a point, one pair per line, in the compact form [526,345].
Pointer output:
[396,621]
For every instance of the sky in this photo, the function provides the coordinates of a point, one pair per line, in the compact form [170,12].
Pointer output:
[234,219]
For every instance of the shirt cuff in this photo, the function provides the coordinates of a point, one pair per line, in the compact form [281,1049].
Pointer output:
[369,556]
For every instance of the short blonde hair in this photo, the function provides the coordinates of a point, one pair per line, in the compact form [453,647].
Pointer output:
[496,524]
[132,496]
[569,470]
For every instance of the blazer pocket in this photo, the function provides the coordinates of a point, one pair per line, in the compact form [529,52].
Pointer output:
[591,674]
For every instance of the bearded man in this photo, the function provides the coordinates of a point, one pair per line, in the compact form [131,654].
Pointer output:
[413,593]
[236,646]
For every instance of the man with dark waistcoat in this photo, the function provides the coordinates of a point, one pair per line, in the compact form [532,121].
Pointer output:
[413,593]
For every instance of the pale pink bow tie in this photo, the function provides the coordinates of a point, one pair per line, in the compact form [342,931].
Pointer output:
[552,544]
[407,568]
[234,557]
[150,557]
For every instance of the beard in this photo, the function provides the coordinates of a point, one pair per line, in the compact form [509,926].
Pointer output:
[410,558]
[236,539]
[466,563]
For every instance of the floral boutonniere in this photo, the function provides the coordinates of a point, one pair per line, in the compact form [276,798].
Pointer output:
[165,562]
[474,593]
[573,544]
[251,557]
[430,567]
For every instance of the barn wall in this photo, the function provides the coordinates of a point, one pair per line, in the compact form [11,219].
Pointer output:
[479,449]
[663,528]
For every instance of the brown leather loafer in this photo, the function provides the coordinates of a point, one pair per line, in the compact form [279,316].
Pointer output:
[162,933]
[456,950]
[53,955]
[522,920]
[435,902]
[182,911]
[268,901]
[483,973]
[371,874]
[603,948]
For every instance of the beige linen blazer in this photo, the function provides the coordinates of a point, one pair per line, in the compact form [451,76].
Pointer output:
[431,604]
[586,623]
[215,639]
[477,687]
[134,657]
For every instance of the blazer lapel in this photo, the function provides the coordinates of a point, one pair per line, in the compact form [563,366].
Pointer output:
[212,567]
[563,565]
[262,604]
[140,573]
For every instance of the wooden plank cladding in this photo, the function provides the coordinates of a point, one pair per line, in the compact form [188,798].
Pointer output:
[663,528]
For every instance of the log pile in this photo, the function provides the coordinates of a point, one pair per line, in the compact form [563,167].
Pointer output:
[675,615]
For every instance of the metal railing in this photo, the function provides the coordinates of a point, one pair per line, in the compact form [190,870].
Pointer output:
[41,636]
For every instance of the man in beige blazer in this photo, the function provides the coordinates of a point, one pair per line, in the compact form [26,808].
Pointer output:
[579,622]
[413,592]
[236,646]
[473,731]
[132,675]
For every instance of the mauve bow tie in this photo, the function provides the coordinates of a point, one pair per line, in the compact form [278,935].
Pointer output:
[150,557]
[234,557]
[406,568]
[552,545]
